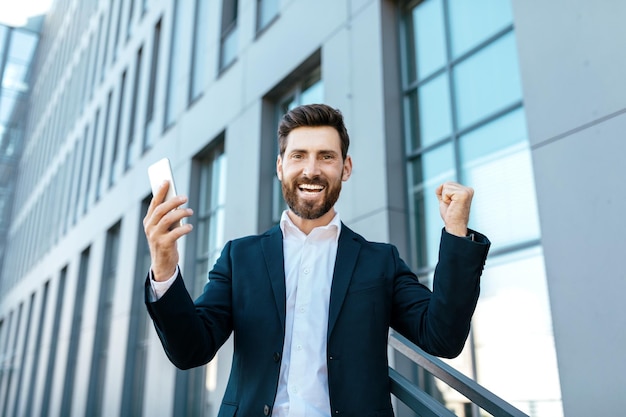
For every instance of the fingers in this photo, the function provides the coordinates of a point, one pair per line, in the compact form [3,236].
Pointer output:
[448,191]
[159,196]
[166,218]
[159,209]
[454,204]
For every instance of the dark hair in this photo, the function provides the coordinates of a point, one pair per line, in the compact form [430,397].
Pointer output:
[311,115]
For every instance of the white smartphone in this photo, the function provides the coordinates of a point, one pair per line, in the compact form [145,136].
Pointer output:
[159,172]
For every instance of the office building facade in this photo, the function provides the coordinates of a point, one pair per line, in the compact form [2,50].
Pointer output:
[514,98]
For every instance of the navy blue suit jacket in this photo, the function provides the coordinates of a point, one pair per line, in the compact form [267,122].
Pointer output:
[372,290]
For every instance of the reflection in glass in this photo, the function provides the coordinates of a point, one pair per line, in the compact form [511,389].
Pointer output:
[497,161]
[434,121]
[483,132]
[429,37]
[512,330]
[472,22]
[22,46]
[487,82]
[428,172]
[8,99]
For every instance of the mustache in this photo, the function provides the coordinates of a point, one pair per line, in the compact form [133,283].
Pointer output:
[317,180]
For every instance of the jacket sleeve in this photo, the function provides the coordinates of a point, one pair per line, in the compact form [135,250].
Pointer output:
[439,322]
[192,333]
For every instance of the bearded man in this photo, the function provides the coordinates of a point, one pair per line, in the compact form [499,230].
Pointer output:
[310,302]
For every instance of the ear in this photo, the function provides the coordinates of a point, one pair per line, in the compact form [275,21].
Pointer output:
[347,168]
[279,168]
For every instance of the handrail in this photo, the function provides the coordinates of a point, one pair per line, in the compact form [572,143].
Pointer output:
[413,397]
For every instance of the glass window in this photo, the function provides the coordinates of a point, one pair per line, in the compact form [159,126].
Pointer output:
[429,113]
[9,99]
[105,41]
[129,21]
[427,172]
[71,188]
[228,44]
[512,333]
[35,367]
[267,10]
[427,39]
[20,54]
[23,356]
[74,209]
[138,332]
[11,360]
[229,47]
[103,147]
[114,170]
[96,56]
[474,22]
[75,334]
[130,144]
[465,122]
[100,356]
[200,51]
[52,352]
[487,81]
[175,96]
[120,9]
[210,213]
[149,134]
[496,160]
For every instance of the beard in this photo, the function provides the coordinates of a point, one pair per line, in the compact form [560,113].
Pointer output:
[308,209]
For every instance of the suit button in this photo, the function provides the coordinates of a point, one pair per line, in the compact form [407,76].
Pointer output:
[266,410]
[276,356]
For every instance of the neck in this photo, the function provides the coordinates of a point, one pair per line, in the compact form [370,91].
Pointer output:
[306,225]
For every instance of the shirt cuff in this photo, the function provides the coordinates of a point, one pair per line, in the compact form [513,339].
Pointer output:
[159,288]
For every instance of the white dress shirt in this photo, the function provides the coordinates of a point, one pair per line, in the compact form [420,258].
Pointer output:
[309,266]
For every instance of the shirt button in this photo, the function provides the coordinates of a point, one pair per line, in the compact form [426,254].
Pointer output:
[301,309]
[299,347]
[306,271]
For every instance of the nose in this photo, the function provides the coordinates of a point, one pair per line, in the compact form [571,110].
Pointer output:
[311,168]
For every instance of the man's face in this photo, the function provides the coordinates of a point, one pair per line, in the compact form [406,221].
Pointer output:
[311,170]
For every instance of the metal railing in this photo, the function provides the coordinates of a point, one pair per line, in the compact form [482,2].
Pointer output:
[425,405]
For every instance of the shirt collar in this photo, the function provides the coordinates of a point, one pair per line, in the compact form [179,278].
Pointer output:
[290,229]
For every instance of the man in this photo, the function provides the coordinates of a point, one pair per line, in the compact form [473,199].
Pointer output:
[310,302]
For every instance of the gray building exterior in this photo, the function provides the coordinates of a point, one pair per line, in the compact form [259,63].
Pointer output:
[522,100]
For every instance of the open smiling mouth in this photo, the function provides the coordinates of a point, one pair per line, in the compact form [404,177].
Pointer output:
[311,188]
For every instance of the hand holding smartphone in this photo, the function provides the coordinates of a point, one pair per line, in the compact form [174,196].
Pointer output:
[159,172]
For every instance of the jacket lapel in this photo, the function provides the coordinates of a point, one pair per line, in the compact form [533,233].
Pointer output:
[272,246]
[347,252]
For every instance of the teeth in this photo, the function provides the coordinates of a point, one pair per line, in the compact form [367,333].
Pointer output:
[311,187]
